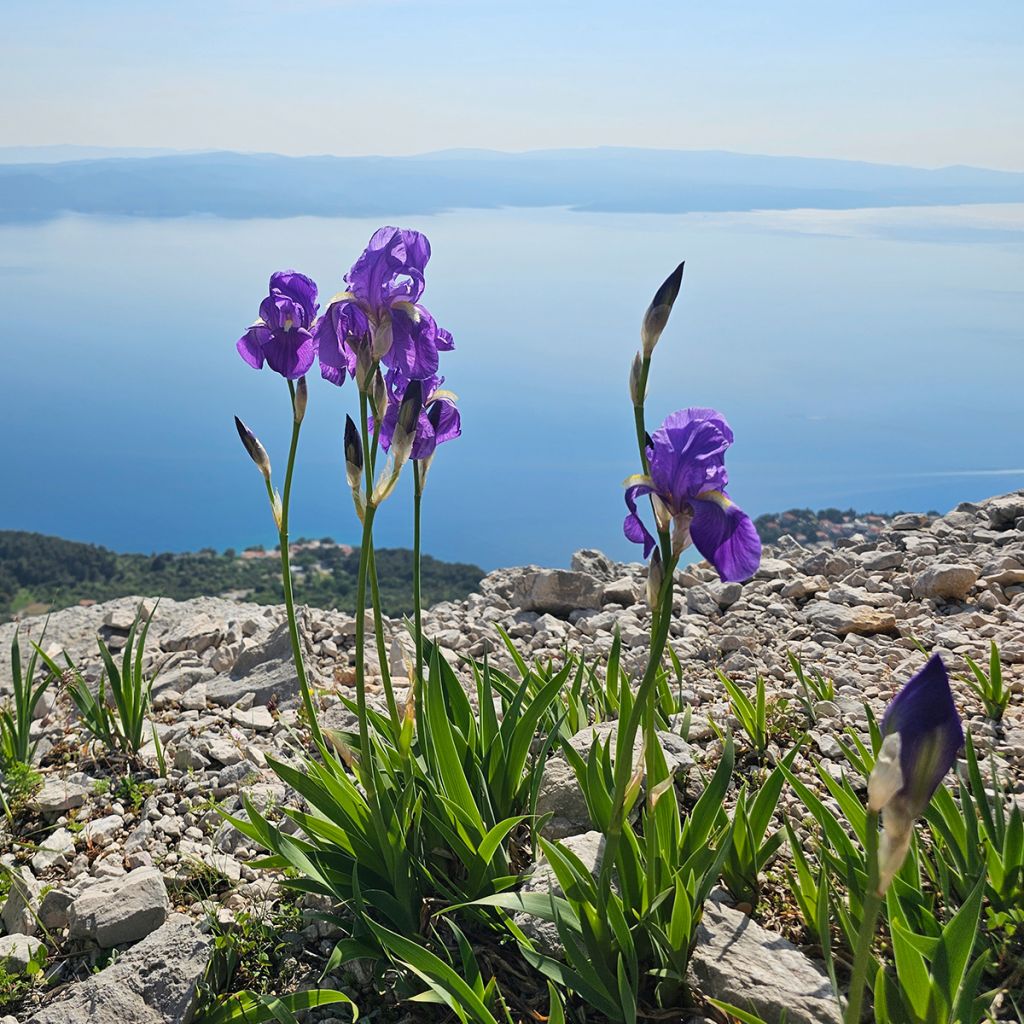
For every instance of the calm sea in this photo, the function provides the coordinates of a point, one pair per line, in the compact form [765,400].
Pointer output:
[869,358]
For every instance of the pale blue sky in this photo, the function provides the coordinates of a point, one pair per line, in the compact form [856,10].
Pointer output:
[909,82]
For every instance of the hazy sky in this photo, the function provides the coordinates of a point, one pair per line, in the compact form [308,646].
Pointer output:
[910,82]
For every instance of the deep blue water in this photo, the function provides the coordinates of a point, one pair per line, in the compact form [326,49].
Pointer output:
[867,358]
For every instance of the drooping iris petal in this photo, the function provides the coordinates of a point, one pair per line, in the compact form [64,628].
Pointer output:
[924,715]
[444,340]
[439,422]
[633,526]
[413,351]
[445,418]
[725,536]
[290,353]
[250,345]
[338,335]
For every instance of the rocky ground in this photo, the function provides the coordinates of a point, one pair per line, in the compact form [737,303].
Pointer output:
[149,867]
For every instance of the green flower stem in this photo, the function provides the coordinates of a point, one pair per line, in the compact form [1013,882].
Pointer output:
[286,578]
[665,544]
[365,557]
[378,619]
[627,737]
[869,921]
[638,413]
[642,711]
[382,652]
[417,599]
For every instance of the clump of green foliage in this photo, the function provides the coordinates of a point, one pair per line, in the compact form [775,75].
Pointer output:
[16,745]
[121,723]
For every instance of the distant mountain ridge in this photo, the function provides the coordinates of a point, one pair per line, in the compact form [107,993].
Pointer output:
[606,179]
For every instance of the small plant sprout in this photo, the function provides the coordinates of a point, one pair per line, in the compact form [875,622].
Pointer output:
[814,687]
[16,743]
[989,686]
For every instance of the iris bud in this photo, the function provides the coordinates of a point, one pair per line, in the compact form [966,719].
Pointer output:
[256,451]
[921,736]
[353,454]
[655,580]
[275,508]
[383,338]
[408,418]
[657,313]
[379,395]
[301,398]
[364,368]
[635,373]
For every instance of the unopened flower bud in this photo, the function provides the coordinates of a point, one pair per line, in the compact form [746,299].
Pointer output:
[655,580]
[256,451]
[408,420]
[383,338]
[365,366]
[379,395]
[635,373]
[921,733]
[657,313]
[411,407]
[353,454]
[301,398]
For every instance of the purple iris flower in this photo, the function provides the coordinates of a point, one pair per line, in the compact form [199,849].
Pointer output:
[686,458]
[921,736]
[381,307]
[439,419]
[281,337]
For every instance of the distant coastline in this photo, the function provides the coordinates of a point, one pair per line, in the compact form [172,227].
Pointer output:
[39,573]
[603,180]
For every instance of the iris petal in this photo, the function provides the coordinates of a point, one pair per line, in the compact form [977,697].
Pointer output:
[300,290]
[725,536]
[633,526]
[413,351]
[688,455]
[290,353]
[250,345]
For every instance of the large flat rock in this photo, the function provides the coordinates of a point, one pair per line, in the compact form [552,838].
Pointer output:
[739,962]
[155,982]
[120,910]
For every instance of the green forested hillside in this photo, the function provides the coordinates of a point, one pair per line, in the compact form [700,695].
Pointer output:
[37,571]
